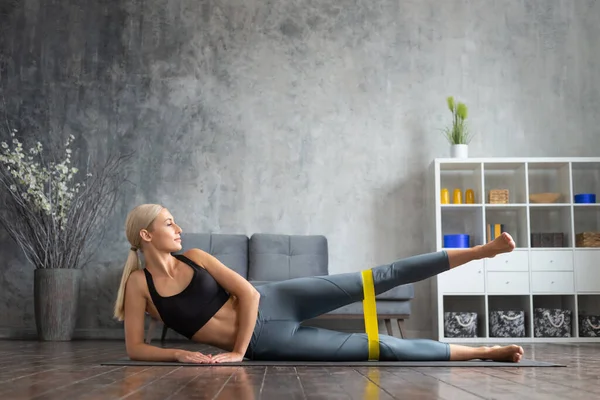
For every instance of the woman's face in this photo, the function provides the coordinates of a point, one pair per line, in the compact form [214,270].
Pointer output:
[165,233]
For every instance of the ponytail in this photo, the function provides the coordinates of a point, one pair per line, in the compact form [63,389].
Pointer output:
[141,217]
[132,264]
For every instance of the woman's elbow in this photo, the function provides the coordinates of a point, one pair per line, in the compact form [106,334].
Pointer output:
[253,293]
[247,292]
[132,355]
[134,351]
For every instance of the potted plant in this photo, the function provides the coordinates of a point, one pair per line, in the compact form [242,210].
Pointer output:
[55,215]
[458,133]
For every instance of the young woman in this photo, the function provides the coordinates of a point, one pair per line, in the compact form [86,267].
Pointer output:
[202,299]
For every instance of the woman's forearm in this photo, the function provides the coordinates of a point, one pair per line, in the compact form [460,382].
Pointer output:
[146,352]
[248,307]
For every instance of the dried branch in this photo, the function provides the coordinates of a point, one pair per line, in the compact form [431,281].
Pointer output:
[54,218]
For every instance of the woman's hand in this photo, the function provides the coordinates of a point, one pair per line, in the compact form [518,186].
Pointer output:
[185,356]
[227,357]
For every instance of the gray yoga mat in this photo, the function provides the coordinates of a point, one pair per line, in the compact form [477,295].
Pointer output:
[401,364]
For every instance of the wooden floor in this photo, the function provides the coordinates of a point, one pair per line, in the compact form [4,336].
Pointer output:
[71,370]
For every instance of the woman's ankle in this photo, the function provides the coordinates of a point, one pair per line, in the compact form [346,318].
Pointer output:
[467,353]
[486,352]
[480,252]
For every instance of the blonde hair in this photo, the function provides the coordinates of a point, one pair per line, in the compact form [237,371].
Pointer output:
[141,217]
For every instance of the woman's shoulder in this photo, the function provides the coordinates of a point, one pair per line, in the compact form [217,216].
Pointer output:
[136,284]
[137,279]
[197,256]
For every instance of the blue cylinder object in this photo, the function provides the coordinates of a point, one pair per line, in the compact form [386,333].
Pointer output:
[456,241]
[585,198]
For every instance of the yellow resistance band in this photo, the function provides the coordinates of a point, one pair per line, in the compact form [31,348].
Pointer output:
[370,312]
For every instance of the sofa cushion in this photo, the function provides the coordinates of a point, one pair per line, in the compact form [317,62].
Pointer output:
[274,257]
[383,308]
[230,249]
[258,283]
[404,292]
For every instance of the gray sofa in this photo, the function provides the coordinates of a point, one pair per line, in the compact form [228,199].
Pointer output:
[265,257]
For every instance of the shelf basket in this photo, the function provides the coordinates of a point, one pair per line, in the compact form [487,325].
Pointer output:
[460,324]
[498,196]
[507,323]
[587,239]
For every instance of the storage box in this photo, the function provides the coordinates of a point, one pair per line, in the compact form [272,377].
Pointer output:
[460,324]
[587,239]
[585,198]
[498,196]
[508,323]
[550,322]
[589,325]
[457,241]
[547,239]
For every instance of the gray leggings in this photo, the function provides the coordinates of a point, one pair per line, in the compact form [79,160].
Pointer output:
[278,334]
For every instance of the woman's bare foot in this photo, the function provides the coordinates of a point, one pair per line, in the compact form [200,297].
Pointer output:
[510,353]
[502,244]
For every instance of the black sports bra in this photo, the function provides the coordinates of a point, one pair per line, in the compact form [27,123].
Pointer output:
[188,311]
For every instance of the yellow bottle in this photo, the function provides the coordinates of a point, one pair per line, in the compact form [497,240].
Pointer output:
[445,196]
[457,196]
[470,196]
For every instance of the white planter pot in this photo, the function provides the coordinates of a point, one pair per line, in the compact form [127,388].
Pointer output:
[459,151]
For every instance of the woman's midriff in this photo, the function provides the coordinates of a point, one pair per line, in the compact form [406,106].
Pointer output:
[221,330]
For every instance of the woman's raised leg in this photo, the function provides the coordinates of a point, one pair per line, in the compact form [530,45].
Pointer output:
[300,299]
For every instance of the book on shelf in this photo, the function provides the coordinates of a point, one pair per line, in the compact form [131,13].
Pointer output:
[494,230]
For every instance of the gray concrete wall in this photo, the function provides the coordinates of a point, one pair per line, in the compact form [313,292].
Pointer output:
[291,117]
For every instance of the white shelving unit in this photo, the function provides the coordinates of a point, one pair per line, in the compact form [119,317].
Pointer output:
[566,277]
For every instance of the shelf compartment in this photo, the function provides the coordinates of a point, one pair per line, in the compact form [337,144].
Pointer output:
[459,312]
[554,316]
[586,179]
[588,307]
[507,283]
[587,271]
[461,177]
[586,220]
[467,220]
[549,178]
[512,219]
[509,316]
[552,271]
[466,279]
[550,227]
[557,282]
[511,176]
[515,261]
[552,260]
